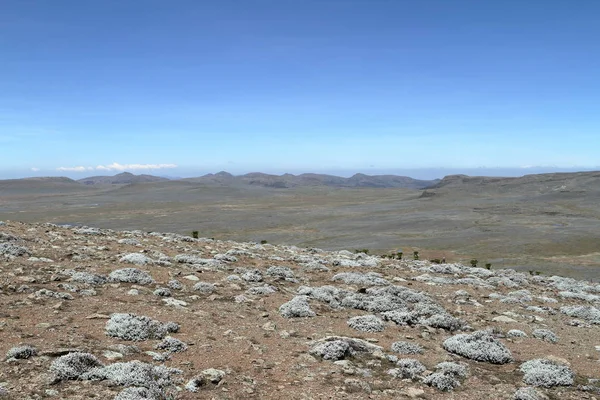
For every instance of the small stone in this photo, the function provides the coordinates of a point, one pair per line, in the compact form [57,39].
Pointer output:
[191,278]
[414,393]
[504,319]
[98,316]
[112,355]
[133,292]
[170,301]
[269,326]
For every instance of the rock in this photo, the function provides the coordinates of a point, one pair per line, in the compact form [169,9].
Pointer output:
[414,393]
[170,301]
[504,319]
[193,278]
[98,316]
[112,355]
[269,326]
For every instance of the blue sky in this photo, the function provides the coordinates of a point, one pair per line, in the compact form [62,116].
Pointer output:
[184,87]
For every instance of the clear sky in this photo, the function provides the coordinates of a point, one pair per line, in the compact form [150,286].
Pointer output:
[185,87]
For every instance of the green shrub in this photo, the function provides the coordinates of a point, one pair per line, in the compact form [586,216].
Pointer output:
[416,255]
[474,263]
[195,234]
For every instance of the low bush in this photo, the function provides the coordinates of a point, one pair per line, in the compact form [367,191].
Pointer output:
[137,328]
[297,307]
[131,275]
[406,348]
[479,346]
[73,365]
[546,373]
[366,323]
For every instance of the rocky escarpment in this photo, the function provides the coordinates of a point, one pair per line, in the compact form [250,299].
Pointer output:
[86,312]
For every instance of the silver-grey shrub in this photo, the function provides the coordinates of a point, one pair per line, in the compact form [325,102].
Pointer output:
[11,249]
[528,393]
[253,275]
[261,290]
[334,350]
[406,348]
[204,287]
[456,369]
[137,327]
[366,323]
[140,393]
[589,313]
[408,368]
[137,259]
[546,373]
[162,292]
[175,284]
[73,365]
[338,347]
[21,352]
[326,294]
[443,321]
[442,381]
[356,278]
[479,346]
[89,278]
[131,275]
[134,373]
[546,335]
[281,273]
[516,333]
[172,345]
[297,307]
[447,377]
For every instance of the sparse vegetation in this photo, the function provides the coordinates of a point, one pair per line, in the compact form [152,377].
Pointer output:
[238,316]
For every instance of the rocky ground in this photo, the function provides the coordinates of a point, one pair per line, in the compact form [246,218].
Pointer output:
[90,313]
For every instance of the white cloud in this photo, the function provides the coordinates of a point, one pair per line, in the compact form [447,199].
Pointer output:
[74,169]
[34,169]
[117,167]
[133,167]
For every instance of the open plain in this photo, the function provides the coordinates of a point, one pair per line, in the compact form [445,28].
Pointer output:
[548,223]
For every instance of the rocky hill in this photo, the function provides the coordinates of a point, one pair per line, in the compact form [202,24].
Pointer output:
[89,313]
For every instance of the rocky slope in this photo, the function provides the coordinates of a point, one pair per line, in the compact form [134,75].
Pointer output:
[90,313]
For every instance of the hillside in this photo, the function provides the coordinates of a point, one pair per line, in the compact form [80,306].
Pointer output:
[92,313]
[124,178]
[538,183]
[313,180]
[39,186]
